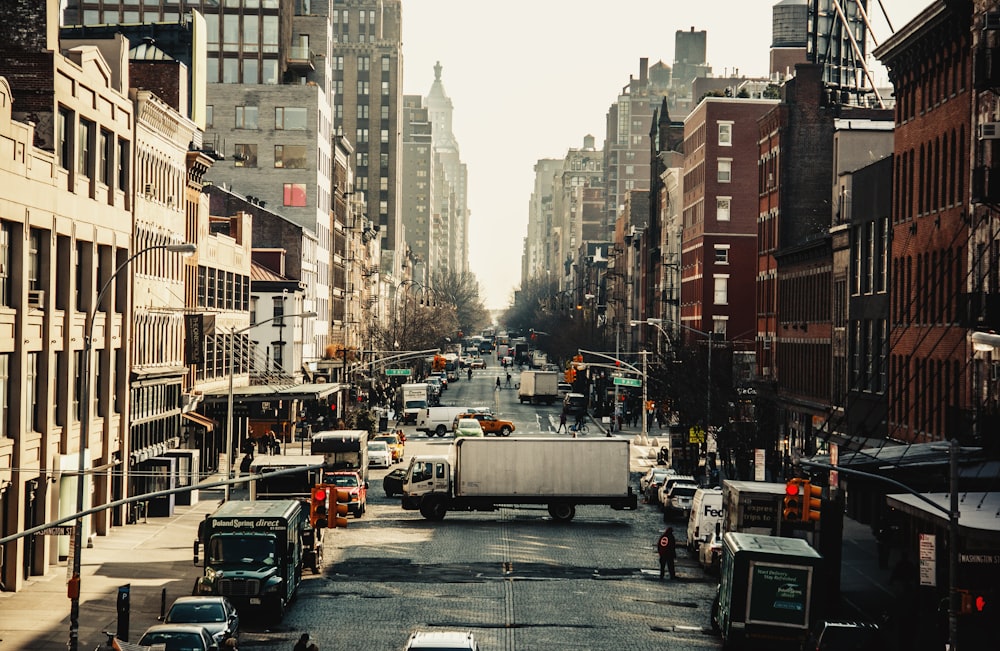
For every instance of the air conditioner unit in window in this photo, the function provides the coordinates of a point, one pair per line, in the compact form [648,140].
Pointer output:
[36,297]
[988,131]
[149,189]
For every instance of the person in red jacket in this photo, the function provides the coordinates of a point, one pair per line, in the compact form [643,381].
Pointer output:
[666,547]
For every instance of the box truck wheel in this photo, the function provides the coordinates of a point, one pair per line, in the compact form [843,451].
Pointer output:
[433,509]
[561,511]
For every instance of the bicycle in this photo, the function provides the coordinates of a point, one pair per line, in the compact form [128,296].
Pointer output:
[580,428]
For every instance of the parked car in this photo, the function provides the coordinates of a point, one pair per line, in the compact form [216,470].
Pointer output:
[442,641]
[843,636]
[179,637]
[379,454]
[392,483]
[216,614]
[668,483]
[396,446]
[679,499]
[654,475]
[490,423]
[468,427]
[710,553]
[357,487]
[444,379]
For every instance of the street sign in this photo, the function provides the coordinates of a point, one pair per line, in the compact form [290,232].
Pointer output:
[397,371]
[56,531]
[628,382]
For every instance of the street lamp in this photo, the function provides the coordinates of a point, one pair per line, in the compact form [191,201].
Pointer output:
[88,345]
[232,373]
[708,335]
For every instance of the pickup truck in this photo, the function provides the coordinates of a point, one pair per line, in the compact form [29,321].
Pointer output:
[490,424]
[352,482]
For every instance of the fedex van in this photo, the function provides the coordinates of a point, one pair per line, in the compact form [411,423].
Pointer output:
[706,511]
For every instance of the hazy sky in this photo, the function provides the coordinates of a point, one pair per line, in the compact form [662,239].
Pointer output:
[529,80]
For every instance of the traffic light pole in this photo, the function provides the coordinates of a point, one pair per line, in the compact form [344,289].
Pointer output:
[953,531]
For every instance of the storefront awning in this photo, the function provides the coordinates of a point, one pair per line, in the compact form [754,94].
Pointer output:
[265,392]
[200,420]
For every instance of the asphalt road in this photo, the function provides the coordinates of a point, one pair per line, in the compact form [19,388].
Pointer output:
[515,578]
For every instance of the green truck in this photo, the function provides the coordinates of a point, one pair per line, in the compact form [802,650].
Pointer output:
[254,553]
[769,594]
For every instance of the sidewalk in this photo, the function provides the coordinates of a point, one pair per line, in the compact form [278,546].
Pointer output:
[141,555]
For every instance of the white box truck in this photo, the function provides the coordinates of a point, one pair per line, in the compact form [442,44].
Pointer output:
[752,506]
[538,386]
[413,397]
[487,474]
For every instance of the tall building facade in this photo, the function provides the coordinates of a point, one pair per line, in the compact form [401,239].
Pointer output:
[420,221]
[452,192]
[268,111]
[626,145]
[367,63]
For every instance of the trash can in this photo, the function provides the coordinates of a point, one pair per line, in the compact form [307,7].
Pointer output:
[383,423]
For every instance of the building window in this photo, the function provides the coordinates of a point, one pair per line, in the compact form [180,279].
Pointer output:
[725,134]
[722,207]
[4,393]
[290,156]
[279,311]
[725,170]
[246,117]
[719,324]
[63,137]
[105,169]
[364,63]
[245,156]
[32,387]
[721,254]
[84,148]
[124,147]
[290,118]
[384,136]
[295,195]
[209,116]
[363,87]
[721,293]
[6,229]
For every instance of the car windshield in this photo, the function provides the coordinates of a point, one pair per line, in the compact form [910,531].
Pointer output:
[239,549]
[174,640]
[683,491]
[378,446]
[193,612]
[343,480]
[385,439]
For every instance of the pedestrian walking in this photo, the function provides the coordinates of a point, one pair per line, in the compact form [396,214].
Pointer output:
[508,380]
[666,547]
[498,383]
[303,643]
[562,422]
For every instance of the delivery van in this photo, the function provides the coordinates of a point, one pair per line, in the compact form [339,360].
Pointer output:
[706,512]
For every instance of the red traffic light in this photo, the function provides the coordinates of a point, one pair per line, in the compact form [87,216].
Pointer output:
[792,488]
[319,494]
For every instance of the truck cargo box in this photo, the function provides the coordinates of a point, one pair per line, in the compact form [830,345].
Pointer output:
[541,467]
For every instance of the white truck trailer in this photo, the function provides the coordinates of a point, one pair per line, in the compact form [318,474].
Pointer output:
[538,386]
[487,474]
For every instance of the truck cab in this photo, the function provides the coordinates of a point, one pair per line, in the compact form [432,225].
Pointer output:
[425,476]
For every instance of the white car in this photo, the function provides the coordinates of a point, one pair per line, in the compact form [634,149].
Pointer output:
[668,483]
[679,498]
[379,454]
[442,641]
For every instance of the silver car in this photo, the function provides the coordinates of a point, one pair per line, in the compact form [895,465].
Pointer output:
[179,637]
[216,614]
